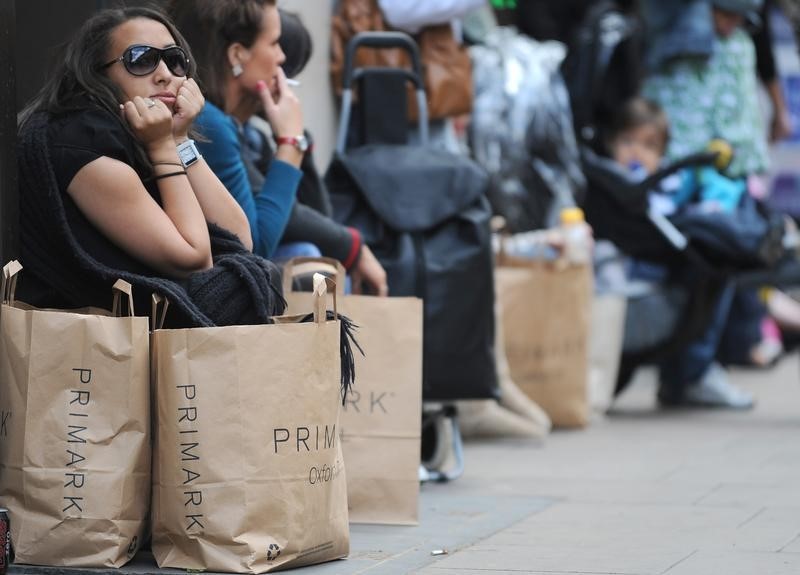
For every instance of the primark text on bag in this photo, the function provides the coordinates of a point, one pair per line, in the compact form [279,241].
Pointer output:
[75,430]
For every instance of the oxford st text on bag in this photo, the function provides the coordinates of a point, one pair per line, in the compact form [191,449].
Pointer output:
[381,421]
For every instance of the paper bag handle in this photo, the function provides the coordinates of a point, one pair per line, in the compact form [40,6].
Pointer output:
[9,283]
[303,265]
[122,288]
[322,286]
[158,310]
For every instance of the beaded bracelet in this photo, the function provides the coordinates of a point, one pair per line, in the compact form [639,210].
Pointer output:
[169,175]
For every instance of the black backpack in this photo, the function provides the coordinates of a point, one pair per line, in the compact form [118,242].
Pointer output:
[424,214]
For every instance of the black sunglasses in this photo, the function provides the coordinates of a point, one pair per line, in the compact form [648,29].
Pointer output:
[140,60]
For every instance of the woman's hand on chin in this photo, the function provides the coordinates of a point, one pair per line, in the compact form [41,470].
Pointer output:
[150,121]
[189,103]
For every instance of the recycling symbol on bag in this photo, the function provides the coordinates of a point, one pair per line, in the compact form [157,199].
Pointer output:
[273,551]
[134,544]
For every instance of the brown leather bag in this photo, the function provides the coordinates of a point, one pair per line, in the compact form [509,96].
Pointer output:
[447,67]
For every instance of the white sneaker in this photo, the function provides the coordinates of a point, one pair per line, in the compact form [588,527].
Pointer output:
[714,389]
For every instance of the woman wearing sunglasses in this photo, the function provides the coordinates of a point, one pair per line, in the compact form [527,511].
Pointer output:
[240,58]
[112,185]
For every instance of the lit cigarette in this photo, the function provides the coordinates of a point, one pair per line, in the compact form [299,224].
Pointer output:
[292,82]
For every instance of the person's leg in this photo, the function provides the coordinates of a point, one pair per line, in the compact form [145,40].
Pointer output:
[784,309]
[690,364]
[285,252]
[744,340]
[693,377]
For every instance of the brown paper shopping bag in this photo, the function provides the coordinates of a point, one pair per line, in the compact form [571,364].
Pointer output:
[75,433]
[248,474]
[382,419]
[546,310]
[605,348]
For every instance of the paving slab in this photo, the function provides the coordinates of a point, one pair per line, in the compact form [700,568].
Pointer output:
[794,546]
[591,490]
[784,494]
[437,570]
[707,563]
[588,526]
[771,529]
[572,559]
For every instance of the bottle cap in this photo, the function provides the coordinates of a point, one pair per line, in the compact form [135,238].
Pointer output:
[572,216]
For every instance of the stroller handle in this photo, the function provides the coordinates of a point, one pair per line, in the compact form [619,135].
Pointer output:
[383,41]
[693,160]
[677,239]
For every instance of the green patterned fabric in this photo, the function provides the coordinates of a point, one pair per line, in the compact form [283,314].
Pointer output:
[714,98]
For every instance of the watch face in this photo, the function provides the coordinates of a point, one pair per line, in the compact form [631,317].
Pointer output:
[187,153]
[300,143]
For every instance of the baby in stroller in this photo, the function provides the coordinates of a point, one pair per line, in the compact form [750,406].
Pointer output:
[637,141]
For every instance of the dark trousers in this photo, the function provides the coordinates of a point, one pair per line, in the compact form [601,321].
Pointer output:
[689,365]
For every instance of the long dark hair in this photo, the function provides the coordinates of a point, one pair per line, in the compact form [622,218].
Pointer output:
[79,75]
[211,26]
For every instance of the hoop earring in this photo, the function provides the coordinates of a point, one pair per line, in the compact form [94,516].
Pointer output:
[237,70]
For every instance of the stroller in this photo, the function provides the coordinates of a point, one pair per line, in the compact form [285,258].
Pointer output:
[748,248]
[707,251]
[424,214]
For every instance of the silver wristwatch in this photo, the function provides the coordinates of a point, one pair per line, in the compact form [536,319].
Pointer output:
[188,153]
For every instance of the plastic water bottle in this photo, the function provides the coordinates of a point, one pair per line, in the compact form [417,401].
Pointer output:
[577,236]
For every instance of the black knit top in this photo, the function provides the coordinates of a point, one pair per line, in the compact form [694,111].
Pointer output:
[77,139]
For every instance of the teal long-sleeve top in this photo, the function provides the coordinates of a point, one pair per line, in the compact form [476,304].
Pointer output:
[267,209]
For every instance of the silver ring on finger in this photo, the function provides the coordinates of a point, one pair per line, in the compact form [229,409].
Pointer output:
[149,102]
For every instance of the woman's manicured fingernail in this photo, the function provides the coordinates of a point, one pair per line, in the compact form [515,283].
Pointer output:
[261,85]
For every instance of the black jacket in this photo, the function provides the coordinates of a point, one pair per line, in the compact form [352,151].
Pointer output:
[311,218]
[60,271]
